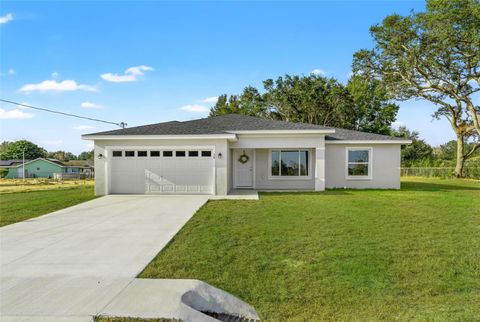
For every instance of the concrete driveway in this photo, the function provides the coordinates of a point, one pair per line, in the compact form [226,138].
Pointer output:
[70,264]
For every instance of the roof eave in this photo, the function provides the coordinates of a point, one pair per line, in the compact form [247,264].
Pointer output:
[368,141]
[323,131]
[228,136]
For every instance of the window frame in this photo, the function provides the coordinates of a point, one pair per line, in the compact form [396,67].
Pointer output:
[369,163]
[143,152]
[117,156]
[129,156]
[299,177]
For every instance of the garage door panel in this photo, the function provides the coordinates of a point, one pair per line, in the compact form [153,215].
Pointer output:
[183,175]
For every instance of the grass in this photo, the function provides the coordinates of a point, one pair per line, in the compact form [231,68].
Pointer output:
[20,185]
[19,206]
[340,255]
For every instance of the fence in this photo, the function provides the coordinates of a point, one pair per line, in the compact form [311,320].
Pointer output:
[81,175]
[439,172]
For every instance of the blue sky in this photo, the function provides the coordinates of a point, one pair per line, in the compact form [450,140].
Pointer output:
[152,61]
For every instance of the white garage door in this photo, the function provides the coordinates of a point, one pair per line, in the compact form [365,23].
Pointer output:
[179,171]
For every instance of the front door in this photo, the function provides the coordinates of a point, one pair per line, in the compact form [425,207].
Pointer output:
[243,159]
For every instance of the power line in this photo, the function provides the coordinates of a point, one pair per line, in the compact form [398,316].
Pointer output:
[121,124]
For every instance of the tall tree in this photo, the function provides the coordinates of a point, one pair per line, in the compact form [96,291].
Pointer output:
[86,155]
[309,99]
[434,56]
[375,110]
[14,150]
[62,155]
[418,150]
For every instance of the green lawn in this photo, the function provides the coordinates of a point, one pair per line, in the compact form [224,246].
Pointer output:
[340,255]
[19,206]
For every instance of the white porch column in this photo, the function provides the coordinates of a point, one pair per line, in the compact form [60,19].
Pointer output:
[320,168]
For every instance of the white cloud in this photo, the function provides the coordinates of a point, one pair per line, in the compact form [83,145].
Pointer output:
[318,72]
[7,18]
[194,108]
[89,145]
[212,99]
[11,72]
[138,70]
[56,143]
[130,75]
[54,86]
[90,105]
[82,127]
[15,114]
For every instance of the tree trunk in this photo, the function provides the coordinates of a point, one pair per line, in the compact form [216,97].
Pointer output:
[460,157]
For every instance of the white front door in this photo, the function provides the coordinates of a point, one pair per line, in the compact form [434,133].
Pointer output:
[244,162]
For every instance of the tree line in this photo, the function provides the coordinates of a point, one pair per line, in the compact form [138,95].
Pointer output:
[15,150]
[432,56]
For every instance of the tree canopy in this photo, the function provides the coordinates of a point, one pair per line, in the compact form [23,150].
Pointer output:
[360,105]
[418,150]
[14,150]
[434,56]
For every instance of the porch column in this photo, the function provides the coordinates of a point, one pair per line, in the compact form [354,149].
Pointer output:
[320,168]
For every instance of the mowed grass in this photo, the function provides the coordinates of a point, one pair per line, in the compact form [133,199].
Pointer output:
[340,255]
[19,206]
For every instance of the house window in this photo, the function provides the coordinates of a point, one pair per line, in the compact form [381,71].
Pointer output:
[206,153]
[168,153]
[154,153]
[359,163]
[38,169]
[141,153]
[289,163]
[193,153]
[179,153]
[129,153]
[117,153]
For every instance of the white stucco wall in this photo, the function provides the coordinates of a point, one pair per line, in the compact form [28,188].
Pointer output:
[385,167]
[219,145]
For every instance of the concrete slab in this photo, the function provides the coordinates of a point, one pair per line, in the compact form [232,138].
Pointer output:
[176,299]
[82,261]
[74,261]
[114,236]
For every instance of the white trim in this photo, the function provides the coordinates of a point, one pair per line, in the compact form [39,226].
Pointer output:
[368,142]
[288,132]
[307,177]
[370,163]
[159,137]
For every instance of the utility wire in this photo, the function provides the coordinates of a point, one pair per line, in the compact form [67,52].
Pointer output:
[121,124]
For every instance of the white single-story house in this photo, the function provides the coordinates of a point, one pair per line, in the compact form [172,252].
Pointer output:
[219,154]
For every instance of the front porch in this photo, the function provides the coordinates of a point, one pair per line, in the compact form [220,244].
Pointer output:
[277,168]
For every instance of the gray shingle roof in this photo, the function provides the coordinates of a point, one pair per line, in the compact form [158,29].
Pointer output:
[235,122]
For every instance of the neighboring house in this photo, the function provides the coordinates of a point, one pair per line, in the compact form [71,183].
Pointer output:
[218,154]
[44,168]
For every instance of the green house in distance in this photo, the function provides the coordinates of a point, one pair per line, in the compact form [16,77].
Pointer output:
[47,168]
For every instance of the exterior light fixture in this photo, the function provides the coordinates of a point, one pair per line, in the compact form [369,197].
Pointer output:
[220,155]
[100,156]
